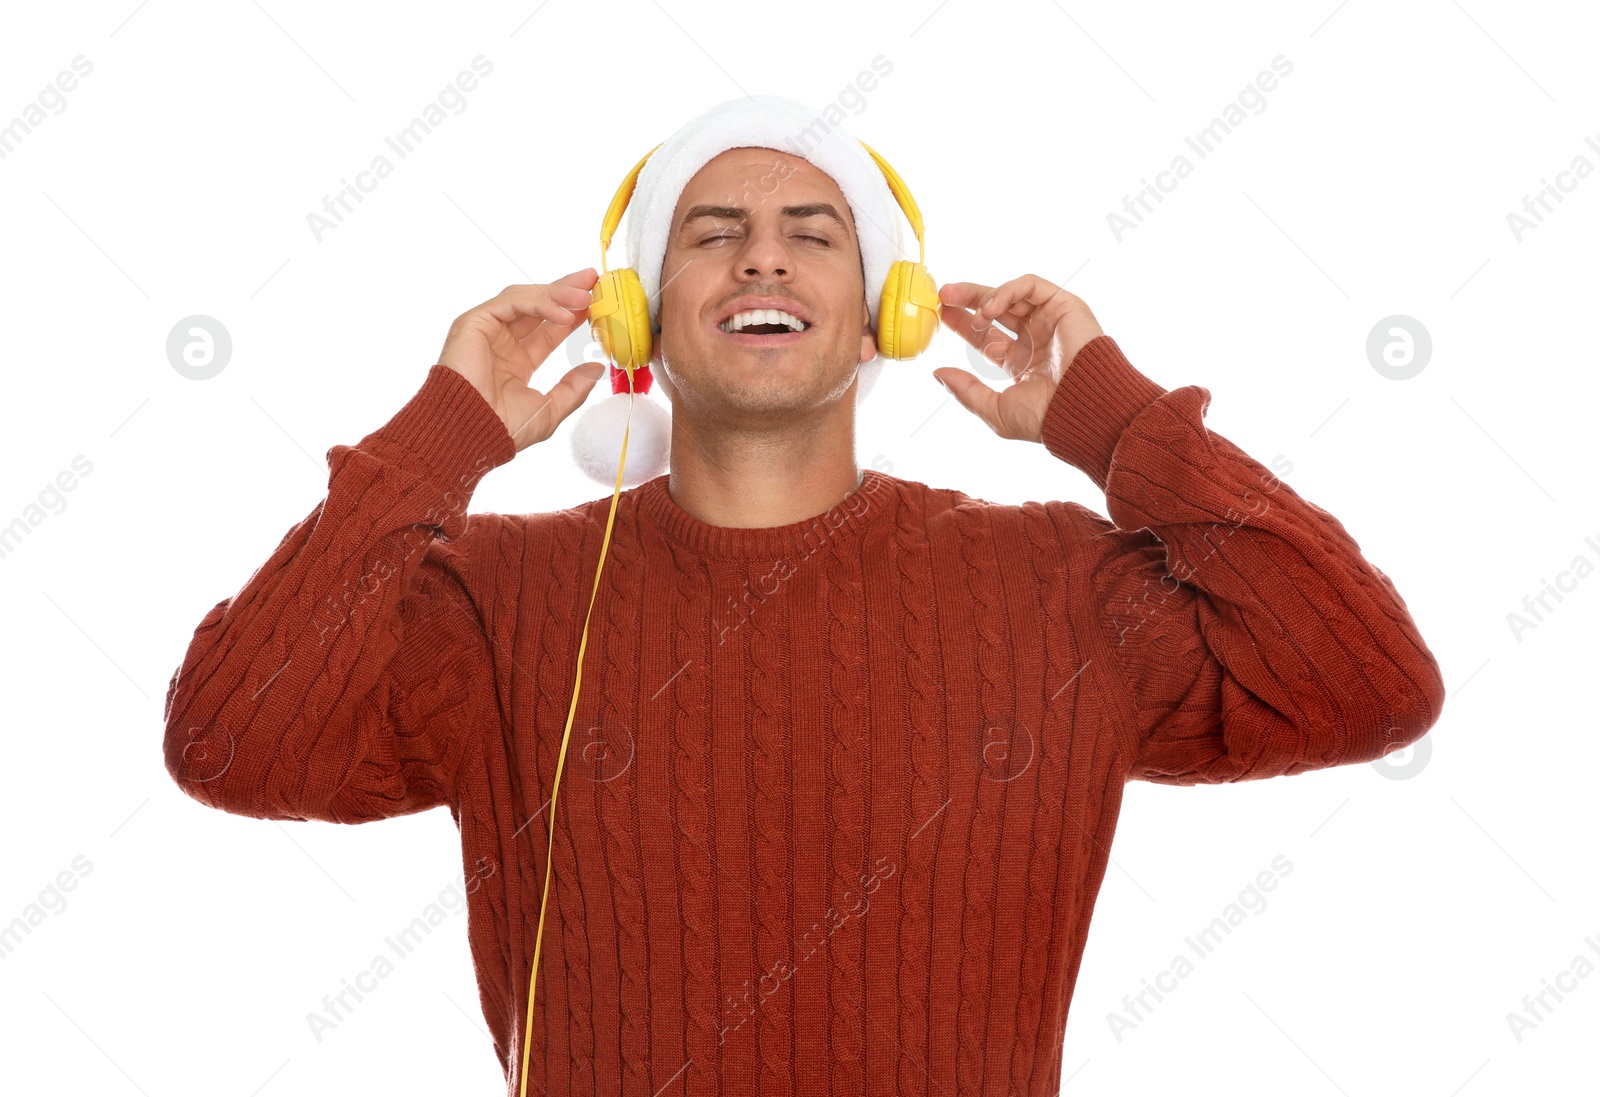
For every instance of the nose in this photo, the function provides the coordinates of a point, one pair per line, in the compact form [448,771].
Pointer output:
[765,250]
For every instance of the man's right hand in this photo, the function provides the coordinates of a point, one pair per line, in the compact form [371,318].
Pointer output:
[499,344]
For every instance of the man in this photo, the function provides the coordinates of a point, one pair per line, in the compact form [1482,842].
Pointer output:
[855,746]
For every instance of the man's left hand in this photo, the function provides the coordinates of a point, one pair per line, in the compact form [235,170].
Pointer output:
[1051,326]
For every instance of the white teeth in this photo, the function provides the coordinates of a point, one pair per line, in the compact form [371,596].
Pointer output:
[740,321]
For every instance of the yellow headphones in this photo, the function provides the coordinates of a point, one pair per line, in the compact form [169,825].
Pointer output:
[619,318]
[908,309]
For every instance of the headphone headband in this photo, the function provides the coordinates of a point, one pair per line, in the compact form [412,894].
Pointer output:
[897,187]
[619,202]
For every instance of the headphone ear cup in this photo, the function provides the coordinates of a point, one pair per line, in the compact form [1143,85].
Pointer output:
[908,311]
[619,317]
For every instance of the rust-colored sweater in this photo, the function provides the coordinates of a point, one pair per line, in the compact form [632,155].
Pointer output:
[840,794]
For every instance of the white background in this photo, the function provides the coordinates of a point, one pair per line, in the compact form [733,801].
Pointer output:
[1377,181]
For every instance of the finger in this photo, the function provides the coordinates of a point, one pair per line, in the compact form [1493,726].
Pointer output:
[972,394]
[1026,293]
[959,320]
[543,341]
[573,388]
[527,306]
[522,308]
[568,313]
[564,397]
[964,294]
[571,304]
[980,332]
[568,290]
[965,299]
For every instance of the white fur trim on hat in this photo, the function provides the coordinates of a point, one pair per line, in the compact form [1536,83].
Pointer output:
[763,121]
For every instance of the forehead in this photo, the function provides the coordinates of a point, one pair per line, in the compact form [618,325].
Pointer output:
[750,176]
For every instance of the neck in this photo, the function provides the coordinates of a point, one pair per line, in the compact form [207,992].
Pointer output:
[752,483]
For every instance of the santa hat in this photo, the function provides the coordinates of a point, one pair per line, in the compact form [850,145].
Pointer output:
[756,121]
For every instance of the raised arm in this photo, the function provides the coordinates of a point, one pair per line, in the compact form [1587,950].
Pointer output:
[346,680]
[1253,637]
[351,678]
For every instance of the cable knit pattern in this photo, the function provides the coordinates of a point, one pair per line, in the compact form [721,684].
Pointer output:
[839,923]
[566,601]
[922,713]
[769,810]
[874,759]
[1057,676]
[700,883]
[617,876]
[974,747]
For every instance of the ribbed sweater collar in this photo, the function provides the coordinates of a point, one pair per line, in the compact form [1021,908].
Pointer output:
[837,527]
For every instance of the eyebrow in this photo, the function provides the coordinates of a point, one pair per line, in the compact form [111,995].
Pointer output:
[739,213]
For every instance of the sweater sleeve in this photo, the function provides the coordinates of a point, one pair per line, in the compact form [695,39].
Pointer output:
[350,676]
[1250,635]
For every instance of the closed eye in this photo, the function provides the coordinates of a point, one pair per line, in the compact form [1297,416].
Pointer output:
[726,236]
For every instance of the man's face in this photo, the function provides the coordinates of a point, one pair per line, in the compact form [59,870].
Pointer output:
[784,248]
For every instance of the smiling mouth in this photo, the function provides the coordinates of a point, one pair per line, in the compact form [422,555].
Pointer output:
[766,335]
[755,339]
